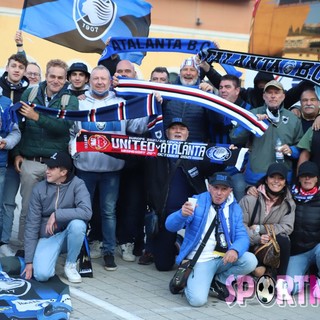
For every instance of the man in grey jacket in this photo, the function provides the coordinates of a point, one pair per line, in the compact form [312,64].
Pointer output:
[59,210]
[99,170]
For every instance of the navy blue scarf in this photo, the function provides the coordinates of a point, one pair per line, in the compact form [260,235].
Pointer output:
[302,69]
[143,44]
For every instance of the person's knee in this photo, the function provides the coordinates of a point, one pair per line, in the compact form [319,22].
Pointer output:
[163,267]
[197,300]
[249,261]
[42,275]
[77,227]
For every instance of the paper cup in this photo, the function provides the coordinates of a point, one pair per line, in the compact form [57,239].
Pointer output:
[193,201]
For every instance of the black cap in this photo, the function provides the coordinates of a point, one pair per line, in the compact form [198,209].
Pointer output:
[78,66]
[180,121]
[308,168]
[277,168]
[60,159]
[221,178]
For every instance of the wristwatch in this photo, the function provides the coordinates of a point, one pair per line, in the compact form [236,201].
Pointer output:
[257,229]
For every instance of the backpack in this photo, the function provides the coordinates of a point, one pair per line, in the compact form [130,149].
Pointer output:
[64,99]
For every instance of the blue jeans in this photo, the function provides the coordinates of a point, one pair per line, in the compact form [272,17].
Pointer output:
[239,186]
[12,182]
[199,281]
[48,249]
[300,263]
[108,183]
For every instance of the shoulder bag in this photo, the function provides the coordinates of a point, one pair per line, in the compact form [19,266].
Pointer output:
[269,253]
[180,278]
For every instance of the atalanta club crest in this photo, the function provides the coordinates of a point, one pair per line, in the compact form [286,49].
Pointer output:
[94,18]
[218,153]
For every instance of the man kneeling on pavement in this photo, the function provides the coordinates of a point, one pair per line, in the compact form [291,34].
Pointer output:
[56,223]
[225,253]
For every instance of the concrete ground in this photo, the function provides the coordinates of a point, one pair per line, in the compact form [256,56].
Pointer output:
[135,292]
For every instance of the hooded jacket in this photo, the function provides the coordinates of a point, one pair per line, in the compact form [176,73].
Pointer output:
[69,201]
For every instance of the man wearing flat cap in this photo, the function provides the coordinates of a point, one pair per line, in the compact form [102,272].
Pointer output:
[59,210]
[284,126]
[225,253]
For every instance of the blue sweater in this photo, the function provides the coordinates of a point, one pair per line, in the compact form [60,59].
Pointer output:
[195,225]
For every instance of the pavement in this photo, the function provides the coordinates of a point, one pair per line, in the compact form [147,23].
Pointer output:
[135,292]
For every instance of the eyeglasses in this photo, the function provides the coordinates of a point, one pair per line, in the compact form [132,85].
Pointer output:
[312,100]
[33,74]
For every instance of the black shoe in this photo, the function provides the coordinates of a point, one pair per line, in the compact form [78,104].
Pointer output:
[110,265]
[146,259]
[20,253]
[219,290]
[137,250]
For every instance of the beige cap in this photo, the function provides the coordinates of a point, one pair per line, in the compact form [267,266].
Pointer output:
[273,83]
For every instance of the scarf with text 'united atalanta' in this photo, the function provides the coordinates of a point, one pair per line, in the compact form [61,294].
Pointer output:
[302,69]
[87,141]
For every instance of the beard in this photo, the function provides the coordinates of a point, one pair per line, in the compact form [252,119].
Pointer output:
[188,82]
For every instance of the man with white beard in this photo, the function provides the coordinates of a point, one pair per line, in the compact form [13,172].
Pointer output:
[200,119]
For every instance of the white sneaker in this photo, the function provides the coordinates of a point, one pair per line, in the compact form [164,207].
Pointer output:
[95,249]
[126,252]
[71,273]
[282,290]
[6,251]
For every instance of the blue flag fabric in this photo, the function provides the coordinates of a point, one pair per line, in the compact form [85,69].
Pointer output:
[85,25]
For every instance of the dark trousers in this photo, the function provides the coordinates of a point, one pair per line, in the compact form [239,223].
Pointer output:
[164,249]
[285,248]
[131,206]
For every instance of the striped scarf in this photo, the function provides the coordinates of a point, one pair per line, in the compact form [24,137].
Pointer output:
[302,69]
[129,87]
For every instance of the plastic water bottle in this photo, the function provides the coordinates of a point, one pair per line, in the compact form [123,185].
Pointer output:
[278,153]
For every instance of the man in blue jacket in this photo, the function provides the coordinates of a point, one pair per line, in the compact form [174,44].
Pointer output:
[225,253]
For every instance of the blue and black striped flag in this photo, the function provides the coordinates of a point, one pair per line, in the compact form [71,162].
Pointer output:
[85,25]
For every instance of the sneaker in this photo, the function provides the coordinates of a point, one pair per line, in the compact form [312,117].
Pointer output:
[282,290]
[6,251]
[146,259]
[71,273]
[110,265]
[95,249]
[219,290]
[126,252]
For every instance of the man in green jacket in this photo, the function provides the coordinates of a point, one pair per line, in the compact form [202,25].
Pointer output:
[42,135]
[284,126]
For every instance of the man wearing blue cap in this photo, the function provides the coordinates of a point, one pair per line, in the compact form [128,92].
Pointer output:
[225,255]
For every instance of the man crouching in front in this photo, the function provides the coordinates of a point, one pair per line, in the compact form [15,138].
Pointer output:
[225,253]
[56,222]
